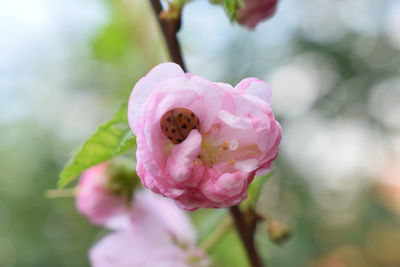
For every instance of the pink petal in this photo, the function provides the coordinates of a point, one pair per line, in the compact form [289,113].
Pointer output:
[256,88]
[152,211]
[235,121]
[181,160]
[145,86]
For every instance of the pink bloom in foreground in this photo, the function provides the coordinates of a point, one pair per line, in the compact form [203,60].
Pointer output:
[255,11]
[236,138]
[159,235]
[95,199]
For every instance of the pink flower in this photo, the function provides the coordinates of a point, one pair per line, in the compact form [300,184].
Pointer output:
[159,235]
[388,185]
[97,199]
[255,11]
[236,137]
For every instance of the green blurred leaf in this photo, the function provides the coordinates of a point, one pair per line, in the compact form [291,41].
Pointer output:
[112,42]
[255,189]
[110,139]
[115,41]
[229,251]
[231,7]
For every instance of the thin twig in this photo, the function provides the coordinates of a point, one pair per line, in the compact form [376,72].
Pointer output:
[57,193]
[220,231]
[246,233]
[170,28]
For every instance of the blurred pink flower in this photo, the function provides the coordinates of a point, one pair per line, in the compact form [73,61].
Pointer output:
[237,137]
[388,185]
[96,200]
[159,235]
[255,11]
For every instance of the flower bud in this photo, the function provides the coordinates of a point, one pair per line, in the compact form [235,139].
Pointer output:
[278,232]
[255,11]
[105,191]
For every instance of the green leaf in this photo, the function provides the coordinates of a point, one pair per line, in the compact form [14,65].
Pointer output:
[255,189]
[231,7]
[110,139]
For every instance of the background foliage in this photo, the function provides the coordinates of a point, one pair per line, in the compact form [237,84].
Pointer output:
[334,68]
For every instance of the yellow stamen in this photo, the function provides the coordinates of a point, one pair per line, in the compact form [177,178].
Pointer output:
[225,146]
[216,126]
[207,133]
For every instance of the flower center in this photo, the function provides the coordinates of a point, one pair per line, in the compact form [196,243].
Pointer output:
[214,150]
[176,124]
[212,153]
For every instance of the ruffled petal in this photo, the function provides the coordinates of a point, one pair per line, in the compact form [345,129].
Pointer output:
[145,86]
[256,88]
[182,158]
[225,186]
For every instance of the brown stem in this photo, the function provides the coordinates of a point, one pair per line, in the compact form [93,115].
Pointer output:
[170,28]
[246,233]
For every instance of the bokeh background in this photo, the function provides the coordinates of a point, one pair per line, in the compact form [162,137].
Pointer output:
[334,67]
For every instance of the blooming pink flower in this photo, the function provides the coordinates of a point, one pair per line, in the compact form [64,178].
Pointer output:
[237,137]
[95,199]
[159,235]
[255,11]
